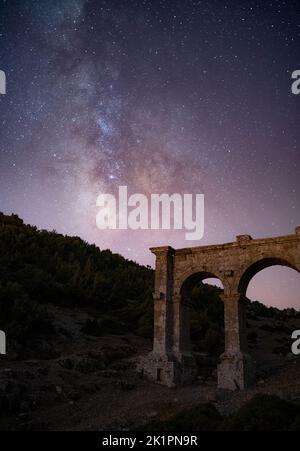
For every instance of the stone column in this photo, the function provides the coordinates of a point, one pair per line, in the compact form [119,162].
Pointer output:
[236,370]
[160,364]
[170,362]
[181,315]
[163,321]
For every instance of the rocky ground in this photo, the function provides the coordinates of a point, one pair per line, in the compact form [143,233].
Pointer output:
[78,382]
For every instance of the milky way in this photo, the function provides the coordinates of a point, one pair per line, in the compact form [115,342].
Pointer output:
[162,96]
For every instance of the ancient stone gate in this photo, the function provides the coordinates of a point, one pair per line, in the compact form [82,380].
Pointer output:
[177,271]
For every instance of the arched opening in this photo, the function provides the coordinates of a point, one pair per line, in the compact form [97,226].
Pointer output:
[201,292]
[271,288]
[258,266]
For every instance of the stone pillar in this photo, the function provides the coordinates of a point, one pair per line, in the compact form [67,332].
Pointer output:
[236,370]
[163,321]
[159,365]
[170,363]
[181,315]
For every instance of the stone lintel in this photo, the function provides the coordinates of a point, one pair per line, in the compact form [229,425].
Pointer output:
[241,239]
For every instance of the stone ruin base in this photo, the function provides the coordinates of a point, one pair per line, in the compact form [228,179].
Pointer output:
[169,370]
[236,372]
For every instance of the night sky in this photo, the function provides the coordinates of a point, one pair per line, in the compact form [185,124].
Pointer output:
[162,96]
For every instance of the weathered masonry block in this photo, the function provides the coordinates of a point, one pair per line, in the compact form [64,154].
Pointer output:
[177,271]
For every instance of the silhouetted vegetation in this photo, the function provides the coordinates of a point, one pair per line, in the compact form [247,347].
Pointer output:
[207,320]
[262,413]
[20,316]
[41,267]
[204,418]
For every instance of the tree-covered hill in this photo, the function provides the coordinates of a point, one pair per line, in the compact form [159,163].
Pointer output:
[41,267]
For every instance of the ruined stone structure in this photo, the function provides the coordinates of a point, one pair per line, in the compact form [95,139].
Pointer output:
[177,271]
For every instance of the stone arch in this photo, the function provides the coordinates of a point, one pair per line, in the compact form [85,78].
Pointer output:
[191,278]
[189,281]
[242,282]
[260,265]
[184,301]
[235,264]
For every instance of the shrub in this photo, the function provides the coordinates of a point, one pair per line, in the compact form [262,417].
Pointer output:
[20,317]
[103,325]
[252,337]
[201,418]
[92,327]
[263,413]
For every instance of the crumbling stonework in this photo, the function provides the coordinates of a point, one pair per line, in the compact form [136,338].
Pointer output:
[177,271]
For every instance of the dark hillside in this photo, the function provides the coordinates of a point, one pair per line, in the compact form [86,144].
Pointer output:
[41,267]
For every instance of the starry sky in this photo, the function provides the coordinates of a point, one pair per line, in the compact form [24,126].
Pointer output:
[162,96]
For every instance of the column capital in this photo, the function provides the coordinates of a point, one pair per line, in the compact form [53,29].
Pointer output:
[163,250]
[233,297]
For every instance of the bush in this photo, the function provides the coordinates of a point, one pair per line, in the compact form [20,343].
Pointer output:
[92,327]
[104,325]
[207,320]
[145,327]
[263,413]
[20,317]
[202,418]
[282,350]
[252,337]
[212,341]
